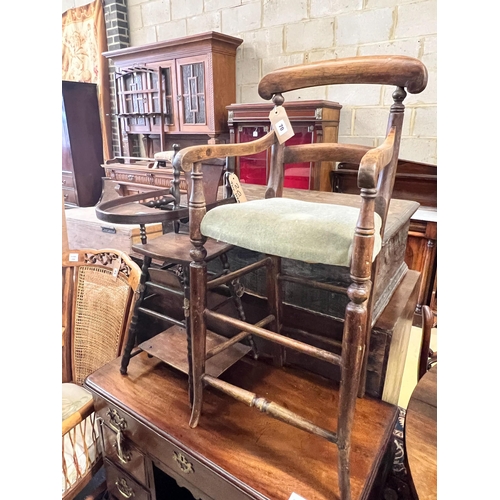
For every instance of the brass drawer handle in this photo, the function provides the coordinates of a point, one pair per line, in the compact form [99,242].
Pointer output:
[122,455]
[124,489]
[64,182]
[115,421]
[183,463]
[130,177]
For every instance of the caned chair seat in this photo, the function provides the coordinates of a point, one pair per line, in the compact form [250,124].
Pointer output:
[310,232]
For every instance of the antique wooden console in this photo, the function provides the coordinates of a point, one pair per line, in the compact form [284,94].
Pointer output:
[152,453]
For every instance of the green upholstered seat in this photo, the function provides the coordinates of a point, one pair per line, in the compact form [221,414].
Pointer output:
[310,232]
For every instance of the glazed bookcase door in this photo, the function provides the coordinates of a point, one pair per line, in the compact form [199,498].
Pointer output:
[138,99]
[192,95]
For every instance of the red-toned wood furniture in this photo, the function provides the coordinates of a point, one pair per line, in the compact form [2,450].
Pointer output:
[312,121]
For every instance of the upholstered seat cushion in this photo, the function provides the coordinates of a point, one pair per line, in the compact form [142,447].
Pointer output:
[310,232]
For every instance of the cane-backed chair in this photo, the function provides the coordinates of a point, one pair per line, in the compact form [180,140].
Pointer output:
[279,227]
[99,291]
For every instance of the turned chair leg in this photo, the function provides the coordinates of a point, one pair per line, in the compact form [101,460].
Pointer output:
[352,355]
[132,332]
[274,305]
[184,280]
[198,304]
[238,303]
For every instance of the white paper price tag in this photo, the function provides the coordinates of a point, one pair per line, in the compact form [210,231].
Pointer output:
[236,187]
[73,257]
[116,267]
[294,496]
[281,124]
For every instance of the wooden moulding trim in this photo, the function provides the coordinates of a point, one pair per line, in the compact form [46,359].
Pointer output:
[157,47]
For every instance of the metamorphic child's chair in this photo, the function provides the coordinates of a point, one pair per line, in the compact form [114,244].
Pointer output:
[279,227]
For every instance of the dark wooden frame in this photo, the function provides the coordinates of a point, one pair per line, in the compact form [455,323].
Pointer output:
[375,180]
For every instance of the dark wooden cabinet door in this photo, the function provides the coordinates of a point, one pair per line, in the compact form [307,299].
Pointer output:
[82,151]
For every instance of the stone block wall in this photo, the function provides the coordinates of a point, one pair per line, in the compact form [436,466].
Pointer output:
[279,33]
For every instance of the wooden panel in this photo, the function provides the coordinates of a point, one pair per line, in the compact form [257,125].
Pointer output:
[82,140]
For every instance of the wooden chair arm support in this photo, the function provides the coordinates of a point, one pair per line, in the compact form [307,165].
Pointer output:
[194,154]
[401,71]
[375,160]
[77,417]
[320,151]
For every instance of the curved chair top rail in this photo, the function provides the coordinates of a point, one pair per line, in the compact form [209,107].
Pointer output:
[401,71]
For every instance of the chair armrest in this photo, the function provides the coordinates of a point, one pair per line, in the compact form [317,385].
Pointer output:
[401,71]
[195,154]
[375,160]
[79,416]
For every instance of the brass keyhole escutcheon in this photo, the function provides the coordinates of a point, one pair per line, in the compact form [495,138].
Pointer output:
[183,463]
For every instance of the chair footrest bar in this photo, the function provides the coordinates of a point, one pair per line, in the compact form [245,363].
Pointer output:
[240,336]
[238,273]
[164,317]
[269,408]
[164,289]
[313,284]
[315,352]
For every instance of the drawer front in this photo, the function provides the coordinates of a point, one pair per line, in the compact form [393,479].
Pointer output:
[155,178]
[121,451]
[69,196]
[182,466]
[122,486]
[68,181]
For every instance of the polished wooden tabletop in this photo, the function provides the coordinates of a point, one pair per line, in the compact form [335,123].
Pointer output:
[421,436]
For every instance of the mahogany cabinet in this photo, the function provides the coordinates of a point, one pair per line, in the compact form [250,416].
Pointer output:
[178,86]
[312,121]
[82,152]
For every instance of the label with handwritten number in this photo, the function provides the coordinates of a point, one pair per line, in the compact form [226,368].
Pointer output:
[237,189]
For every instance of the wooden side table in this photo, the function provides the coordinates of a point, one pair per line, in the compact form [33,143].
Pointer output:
[236,453]
[421,436]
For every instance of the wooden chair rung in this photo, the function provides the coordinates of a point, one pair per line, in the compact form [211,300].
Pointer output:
[238,273]
[269,408]
[313,284]
[158,315]
[240,336]
[315,352]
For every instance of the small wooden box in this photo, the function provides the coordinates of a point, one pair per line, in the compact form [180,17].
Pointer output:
[85,230]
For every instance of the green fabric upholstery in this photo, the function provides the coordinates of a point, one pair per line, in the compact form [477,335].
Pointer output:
[294,229]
